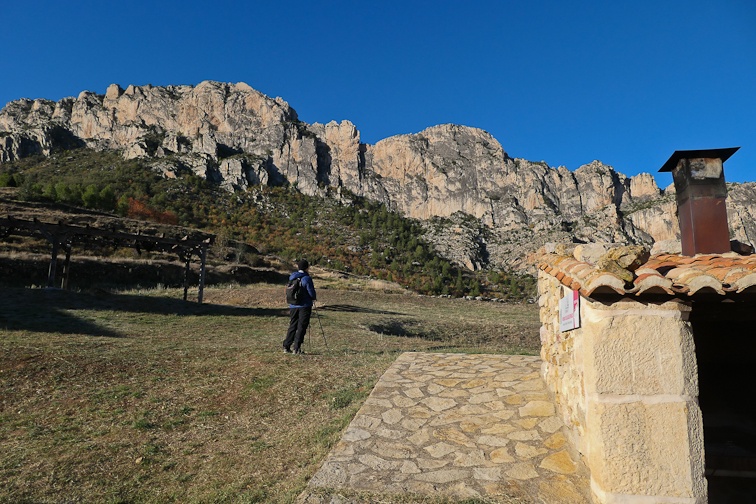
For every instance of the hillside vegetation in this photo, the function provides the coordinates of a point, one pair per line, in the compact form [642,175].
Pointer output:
[340,231]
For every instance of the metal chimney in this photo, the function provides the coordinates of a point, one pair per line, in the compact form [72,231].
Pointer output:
[701,193]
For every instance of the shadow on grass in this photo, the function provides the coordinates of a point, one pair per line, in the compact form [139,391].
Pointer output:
[356,309]
[49,310]
[405,329]
[52,320]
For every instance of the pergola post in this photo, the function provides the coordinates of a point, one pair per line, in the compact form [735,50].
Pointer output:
[203,260]
[187,260]
[53,261]
[66,266]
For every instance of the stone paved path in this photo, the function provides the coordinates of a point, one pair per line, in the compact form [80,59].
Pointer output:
[456,425]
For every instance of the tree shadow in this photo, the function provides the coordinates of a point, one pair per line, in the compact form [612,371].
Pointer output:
[356,309]
[50,310]
[404,329]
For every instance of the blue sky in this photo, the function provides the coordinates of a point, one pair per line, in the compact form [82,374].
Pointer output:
[566,82]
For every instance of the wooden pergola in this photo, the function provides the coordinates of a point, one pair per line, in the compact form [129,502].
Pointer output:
[62,236]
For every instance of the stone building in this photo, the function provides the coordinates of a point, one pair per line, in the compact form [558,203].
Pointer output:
[648,358]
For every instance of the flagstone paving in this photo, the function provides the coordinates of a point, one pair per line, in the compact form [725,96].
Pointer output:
[459,426]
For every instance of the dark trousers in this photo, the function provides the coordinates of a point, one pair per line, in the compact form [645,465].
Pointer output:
[300,319]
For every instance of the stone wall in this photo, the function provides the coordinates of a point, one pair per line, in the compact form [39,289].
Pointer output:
[626,385]
[561,354]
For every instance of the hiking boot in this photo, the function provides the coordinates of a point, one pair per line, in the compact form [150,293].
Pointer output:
[299,352]
[287,350]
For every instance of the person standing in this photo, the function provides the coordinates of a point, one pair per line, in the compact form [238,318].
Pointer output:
[300,313]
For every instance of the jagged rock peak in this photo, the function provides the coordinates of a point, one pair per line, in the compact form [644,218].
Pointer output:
[210,105]
[644,185]
[457,136]
[182,126]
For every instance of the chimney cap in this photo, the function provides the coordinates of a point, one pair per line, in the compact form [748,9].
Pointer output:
[723,154]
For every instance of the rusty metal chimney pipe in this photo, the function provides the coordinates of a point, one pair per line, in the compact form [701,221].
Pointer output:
[701,194]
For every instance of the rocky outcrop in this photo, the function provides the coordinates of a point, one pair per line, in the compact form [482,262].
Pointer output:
[481,207]
[180,127]
[741,212]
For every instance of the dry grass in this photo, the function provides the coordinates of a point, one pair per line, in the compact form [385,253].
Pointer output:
[140,397]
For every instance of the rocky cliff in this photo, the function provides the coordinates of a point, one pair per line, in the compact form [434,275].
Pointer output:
[481,207]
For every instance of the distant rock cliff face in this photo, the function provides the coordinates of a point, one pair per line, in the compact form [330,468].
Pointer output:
[481,207]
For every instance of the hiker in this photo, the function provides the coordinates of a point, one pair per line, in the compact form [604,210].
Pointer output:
[300,309]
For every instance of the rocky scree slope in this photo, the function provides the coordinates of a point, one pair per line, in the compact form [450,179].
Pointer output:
[481,208]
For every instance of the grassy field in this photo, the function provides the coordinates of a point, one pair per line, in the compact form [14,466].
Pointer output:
[141,397]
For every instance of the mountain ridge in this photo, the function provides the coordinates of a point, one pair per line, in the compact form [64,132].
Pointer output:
[480,207]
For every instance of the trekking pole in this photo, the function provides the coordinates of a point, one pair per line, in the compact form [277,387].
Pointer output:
[321,325]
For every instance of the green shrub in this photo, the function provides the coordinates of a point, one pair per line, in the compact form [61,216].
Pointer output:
[7,180]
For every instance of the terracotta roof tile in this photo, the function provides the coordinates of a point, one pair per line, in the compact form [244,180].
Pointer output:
[666,274]
[744,282]
[653,283]
[734,274]
[605,283]
[721,272]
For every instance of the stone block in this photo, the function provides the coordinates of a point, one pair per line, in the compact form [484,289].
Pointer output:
[645,449]
[637,349]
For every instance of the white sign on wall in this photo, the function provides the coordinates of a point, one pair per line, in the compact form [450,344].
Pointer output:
[569,311]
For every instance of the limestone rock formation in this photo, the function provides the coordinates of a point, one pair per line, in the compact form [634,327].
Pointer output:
[482,208]
[181,126]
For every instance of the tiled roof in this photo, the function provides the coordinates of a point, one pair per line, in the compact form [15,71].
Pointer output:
[667,274]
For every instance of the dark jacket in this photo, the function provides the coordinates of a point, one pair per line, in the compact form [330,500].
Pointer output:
[308,294]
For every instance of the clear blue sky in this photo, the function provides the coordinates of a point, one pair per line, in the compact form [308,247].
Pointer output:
[566,82]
